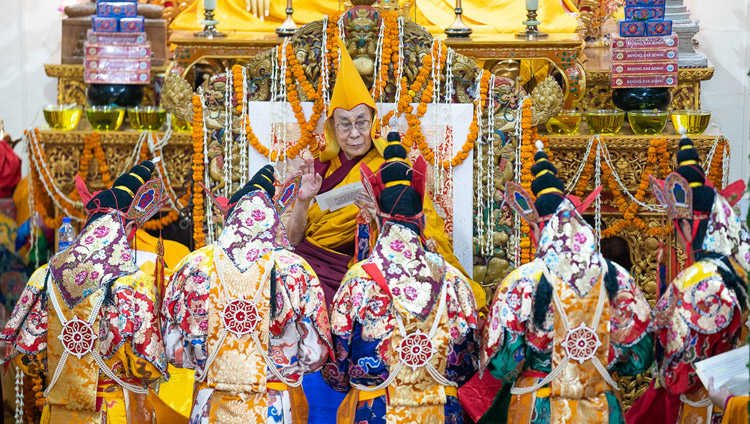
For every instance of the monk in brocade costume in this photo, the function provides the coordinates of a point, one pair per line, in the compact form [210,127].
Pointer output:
[248,315]
[326,239]
[564,326]
[702,312]
[87,321]
[404,320]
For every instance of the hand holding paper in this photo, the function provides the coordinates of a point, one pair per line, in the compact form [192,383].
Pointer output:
[727,370]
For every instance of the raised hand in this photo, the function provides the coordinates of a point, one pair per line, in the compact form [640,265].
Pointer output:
[311,182]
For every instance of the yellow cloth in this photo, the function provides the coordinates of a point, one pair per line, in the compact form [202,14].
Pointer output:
[8,229]
[276,385]
[736,410]
[173,251]
[175,397]
[21,199]
[483,16]
[332,229]
[349,91]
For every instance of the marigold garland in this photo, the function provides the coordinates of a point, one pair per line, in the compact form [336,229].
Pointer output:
[92,148]
[414,134]
[198,236]
[296,80]
[527,161]
[390,38]
[716,167]
[239,91]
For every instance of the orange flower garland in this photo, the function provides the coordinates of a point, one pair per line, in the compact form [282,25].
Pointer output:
[716,168]
[414,134]
[198,236]
[390,37]
[588,170]
[296,79]
[92,148]
[239,92]
[307,127]
[657,155]
[527,160]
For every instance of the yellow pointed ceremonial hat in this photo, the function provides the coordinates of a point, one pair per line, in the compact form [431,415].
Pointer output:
[349,91]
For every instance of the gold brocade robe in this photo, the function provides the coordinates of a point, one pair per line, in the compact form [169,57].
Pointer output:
[125,329]
[578,394]
[82,394]
[414,396]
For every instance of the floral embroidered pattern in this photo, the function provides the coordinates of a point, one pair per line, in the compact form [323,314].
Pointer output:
[566,245]
[87,265]
[414,283]
[726,235]
[252,229]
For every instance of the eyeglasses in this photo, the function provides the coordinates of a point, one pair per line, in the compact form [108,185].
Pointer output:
[346,127]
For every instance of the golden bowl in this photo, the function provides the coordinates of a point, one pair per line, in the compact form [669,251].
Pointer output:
[605,121]
[567,122]
[147,118]
[694,121]
[180,125]
[62,117]
[105,118]
[647,122]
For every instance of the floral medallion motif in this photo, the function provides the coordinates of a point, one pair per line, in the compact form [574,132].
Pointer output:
[240,317]
[581,343]
[77,337]
[415,350]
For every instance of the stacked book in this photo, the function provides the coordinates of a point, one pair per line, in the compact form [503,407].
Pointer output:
[117,50]
[644,62]
[645,18]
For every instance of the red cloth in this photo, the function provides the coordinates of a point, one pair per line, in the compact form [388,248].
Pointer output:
[654,406]
[477,395]
[10,169]
[330,267]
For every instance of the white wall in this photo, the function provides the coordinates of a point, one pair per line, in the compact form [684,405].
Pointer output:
[725,38]
[30,34]
[30,37]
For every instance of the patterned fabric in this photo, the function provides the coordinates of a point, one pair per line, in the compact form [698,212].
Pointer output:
[414,275]
[14,274]
[293,332]
[252,230]
[578,395]
[519,352]
[98,256]
[129,338]
[568,248]
[697,318]
[365,332]
[725,233]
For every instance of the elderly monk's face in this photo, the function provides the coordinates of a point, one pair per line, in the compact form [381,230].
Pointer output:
[353,130]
